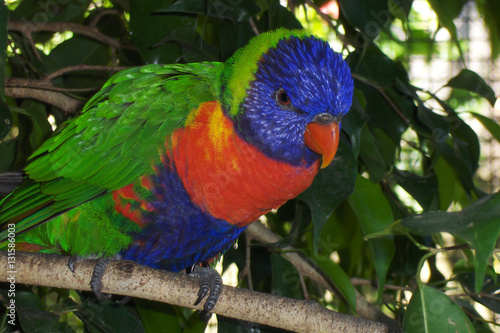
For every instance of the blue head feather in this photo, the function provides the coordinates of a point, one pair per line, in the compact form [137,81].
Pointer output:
[315,78]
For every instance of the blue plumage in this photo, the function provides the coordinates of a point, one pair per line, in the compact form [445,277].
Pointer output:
[316,80]
[180,234]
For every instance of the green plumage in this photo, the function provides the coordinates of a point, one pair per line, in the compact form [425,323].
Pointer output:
[113,142]
[99,230]
[240,69]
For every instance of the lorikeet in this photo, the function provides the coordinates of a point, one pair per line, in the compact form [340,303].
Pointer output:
[168,164]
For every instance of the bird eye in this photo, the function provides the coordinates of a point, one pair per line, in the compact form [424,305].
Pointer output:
[282,97]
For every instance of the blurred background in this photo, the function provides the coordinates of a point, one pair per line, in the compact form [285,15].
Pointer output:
[409,207]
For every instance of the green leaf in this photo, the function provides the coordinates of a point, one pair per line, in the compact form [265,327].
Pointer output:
[438,126]
[447,11]
[235,12]
[490,12]
[336,234]
[488,123]
[286,279]
[339,278]
[424,189]
[157,317]
[489,296]
[147,29]
[432,311]
[186,6]
[28,300]
[400,8]
[194,48]
[374,215]
[109,317]
[41,128]
[35,320]
[382,114]
[329,188]
[194,324]
[464,152]
[471,81]
[354,122]
[276,17]
[369,16]
[447,181]
[373,65]
[5,119]
[231,325]
[478,223]
[75,51]
[8,151]
[233,37]
[371,156]
[374,74]
[39,11]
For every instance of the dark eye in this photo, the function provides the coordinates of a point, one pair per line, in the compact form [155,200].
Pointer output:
[282,97]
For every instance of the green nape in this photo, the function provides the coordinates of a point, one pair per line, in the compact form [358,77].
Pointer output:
[91,229]
[239,70]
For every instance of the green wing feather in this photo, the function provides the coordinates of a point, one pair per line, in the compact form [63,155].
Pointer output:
[111,143]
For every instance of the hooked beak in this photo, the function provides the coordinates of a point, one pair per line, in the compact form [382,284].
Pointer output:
[322,137]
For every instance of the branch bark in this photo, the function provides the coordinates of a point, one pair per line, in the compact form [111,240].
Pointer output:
[44,91]
[27,88]
[127,278]
[27,28]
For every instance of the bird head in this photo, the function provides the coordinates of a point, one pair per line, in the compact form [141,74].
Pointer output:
[287,92]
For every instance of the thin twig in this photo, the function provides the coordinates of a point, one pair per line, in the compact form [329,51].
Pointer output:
[304,287]
[364,282]
[254,26]
[103,12]
[327,18]
[16,83]
[27,28]
[246,270]
[384,94]
[82,67]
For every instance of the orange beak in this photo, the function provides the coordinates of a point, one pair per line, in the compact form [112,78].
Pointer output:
[323,139]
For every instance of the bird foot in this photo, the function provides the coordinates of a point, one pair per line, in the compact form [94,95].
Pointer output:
[96,279]
[210,284]
[72,261]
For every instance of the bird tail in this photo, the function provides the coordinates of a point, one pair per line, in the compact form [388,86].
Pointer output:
[23,209]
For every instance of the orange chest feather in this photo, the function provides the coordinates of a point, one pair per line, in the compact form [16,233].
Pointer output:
[227,177]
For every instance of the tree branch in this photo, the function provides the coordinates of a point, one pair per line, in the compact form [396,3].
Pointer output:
[82,67]
[43,90]
[39,90]
[364,309]
[27,28]
[127,278]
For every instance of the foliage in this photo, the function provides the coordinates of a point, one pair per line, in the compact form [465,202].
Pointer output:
[374,214]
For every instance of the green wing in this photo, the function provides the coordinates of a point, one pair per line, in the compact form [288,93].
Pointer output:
[112,142]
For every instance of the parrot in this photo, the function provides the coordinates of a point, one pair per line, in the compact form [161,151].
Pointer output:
[169,163]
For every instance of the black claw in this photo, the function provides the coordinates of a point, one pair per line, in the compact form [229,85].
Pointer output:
[210,282]
[96,280]
[205,315]
[124,300]
[71,263]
